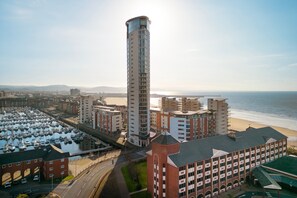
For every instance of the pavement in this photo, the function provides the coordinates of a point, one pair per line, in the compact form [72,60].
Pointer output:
[124,192]
[86,184]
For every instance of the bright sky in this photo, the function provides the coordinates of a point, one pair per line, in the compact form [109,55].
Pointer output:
[195,45]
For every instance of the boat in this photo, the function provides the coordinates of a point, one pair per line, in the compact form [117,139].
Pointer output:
[28,143]
[22,146]
[36,145]
[42,143]
[47,143]
[6,148]
[11,147]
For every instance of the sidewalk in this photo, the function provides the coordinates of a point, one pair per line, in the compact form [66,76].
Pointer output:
[121,181]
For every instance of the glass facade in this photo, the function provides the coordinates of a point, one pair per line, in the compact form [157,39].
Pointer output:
[138,80]
[138,23]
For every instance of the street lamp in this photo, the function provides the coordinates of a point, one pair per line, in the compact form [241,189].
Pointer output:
[52,182]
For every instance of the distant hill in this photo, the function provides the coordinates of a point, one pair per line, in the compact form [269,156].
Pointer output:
[64,88]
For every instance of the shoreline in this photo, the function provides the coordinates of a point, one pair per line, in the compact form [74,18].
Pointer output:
[238,124]
[241,125]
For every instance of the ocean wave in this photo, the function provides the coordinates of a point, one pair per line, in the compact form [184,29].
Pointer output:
[264,118]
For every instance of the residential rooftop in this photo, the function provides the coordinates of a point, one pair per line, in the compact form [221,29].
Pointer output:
[202,149]
[48,153]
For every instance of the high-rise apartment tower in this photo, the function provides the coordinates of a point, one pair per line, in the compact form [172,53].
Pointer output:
[220,107]
[138,80]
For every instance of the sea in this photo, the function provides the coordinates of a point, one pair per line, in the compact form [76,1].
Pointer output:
[277,108]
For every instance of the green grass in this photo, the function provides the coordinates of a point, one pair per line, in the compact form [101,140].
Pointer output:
[141,167]
[69,177]
[142,177]
[129,182]
[142,194]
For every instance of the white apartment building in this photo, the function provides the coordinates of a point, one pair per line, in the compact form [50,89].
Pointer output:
[138,80]
[85,109]
[106,119]
[220,107]
[186,126]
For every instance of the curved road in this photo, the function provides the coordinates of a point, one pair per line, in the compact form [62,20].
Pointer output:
[86,184]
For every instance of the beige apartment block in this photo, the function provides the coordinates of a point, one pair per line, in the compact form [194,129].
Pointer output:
[168,104]
[189,104]
[220,107]
[85,109]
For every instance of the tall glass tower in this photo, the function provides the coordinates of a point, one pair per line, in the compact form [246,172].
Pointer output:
[138,80]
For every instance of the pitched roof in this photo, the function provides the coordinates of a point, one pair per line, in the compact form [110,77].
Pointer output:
[55,153]
[265,179]
[8,158]
[50,152]
[165,138]
[202,149]
[283,179]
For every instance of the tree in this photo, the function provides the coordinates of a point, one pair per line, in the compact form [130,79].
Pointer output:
[23,196]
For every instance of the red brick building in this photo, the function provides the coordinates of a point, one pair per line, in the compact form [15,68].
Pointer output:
[106,119]
[47,162]
[210,166]
[184,126]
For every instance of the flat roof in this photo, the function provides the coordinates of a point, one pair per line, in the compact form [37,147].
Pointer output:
[139,17]
[190,112]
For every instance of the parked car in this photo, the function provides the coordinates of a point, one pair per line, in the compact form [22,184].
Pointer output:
[24,180]
[7,185]
[36,178]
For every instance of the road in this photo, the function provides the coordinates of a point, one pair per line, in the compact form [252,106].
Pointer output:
[85,185]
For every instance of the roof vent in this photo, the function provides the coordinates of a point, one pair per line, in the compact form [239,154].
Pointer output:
[232,135]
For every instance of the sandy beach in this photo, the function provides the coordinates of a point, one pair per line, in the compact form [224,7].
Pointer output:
[116,101]
[235,123]
[241,125]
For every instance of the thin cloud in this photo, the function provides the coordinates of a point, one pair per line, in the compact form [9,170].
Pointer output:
[292,65]
[21,13]
[192,50]
[271,56]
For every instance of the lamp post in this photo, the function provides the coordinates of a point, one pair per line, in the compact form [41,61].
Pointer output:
[52,182]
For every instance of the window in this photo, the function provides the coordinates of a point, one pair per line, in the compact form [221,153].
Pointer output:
[51,169]
[50,162]
[18,163]
[3,166]
[9,165]
[29,162]
[62,166]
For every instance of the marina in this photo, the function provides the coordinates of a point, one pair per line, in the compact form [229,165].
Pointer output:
[27,128]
